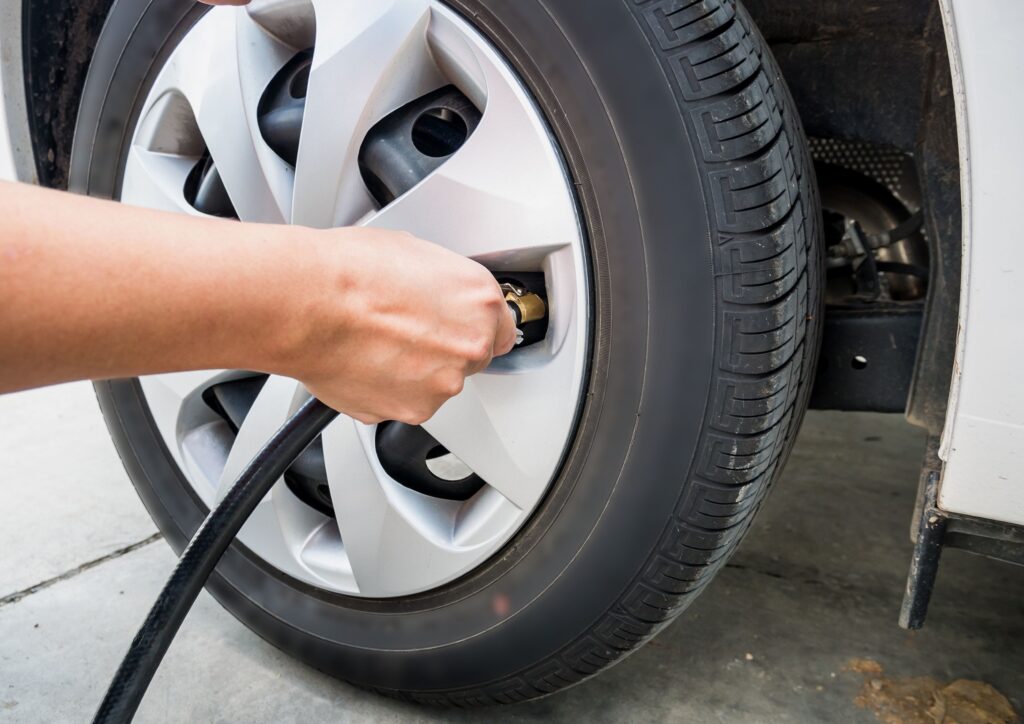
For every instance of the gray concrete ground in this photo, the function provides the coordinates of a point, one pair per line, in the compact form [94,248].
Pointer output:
[816,584]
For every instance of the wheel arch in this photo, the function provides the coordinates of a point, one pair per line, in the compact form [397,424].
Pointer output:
[51,45]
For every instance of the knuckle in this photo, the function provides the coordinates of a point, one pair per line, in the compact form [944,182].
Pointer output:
[416,418]
[452,385]
[415,415]
[506,345]
[483,281]
[487,279]
[479,351]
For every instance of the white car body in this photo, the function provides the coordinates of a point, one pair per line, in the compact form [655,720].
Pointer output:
[983,438]
[15,150]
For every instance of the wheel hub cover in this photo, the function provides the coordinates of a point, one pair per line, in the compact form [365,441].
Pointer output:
[245,120]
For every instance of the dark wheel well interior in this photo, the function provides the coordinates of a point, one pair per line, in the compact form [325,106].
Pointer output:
[878,73]
[57,41]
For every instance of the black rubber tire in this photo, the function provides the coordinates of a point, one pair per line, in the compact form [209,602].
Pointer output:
[703,222]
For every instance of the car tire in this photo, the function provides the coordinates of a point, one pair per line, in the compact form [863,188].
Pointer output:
[702,219]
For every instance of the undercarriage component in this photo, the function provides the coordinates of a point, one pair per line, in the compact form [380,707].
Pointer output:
[931,527]
[875,246]
[935,529]
[878,273]
[867,357]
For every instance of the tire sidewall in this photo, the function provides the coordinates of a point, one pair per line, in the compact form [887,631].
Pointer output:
[653,344]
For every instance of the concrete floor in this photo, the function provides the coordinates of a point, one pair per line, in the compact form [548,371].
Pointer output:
[816,584]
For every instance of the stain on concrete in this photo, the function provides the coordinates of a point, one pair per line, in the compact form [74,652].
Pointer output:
[925,700]
[863,666]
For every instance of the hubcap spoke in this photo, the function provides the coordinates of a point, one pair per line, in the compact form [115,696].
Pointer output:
[502,198]
[292,21]
[395,540]
[186,434]
[220,69]
[166,394]
[510,428]
[275,402]
[370,58]
[157,181]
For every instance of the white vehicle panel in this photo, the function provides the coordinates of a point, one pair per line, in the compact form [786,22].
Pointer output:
[6,155]
[983,441]
[16,160]
[6,159]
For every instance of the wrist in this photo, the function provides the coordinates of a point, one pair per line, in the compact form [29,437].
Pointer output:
[285,298]
[298,298]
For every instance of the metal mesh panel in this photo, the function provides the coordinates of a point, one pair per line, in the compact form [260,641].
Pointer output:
[889,166]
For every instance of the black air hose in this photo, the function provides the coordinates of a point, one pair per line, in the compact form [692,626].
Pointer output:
[201,556]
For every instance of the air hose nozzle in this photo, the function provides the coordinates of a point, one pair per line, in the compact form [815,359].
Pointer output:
[526,306]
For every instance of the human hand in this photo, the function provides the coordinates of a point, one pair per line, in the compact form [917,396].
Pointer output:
[394,324]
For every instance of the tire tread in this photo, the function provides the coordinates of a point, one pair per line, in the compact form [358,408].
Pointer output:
[768,268]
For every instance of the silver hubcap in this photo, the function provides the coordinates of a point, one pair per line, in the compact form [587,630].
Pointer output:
[503,198]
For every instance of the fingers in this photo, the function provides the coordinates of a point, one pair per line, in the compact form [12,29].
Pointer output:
[398,357]
[505,338]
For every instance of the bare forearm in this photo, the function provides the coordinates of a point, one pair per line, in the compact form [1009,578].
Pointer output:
[91,289]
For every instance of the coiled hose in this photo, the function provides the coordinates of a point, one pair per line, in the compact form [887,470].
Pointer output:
[201,556]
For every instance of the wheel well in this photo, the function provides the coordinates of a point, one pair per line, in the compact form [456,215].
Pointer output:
[879,74]
[58,37]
